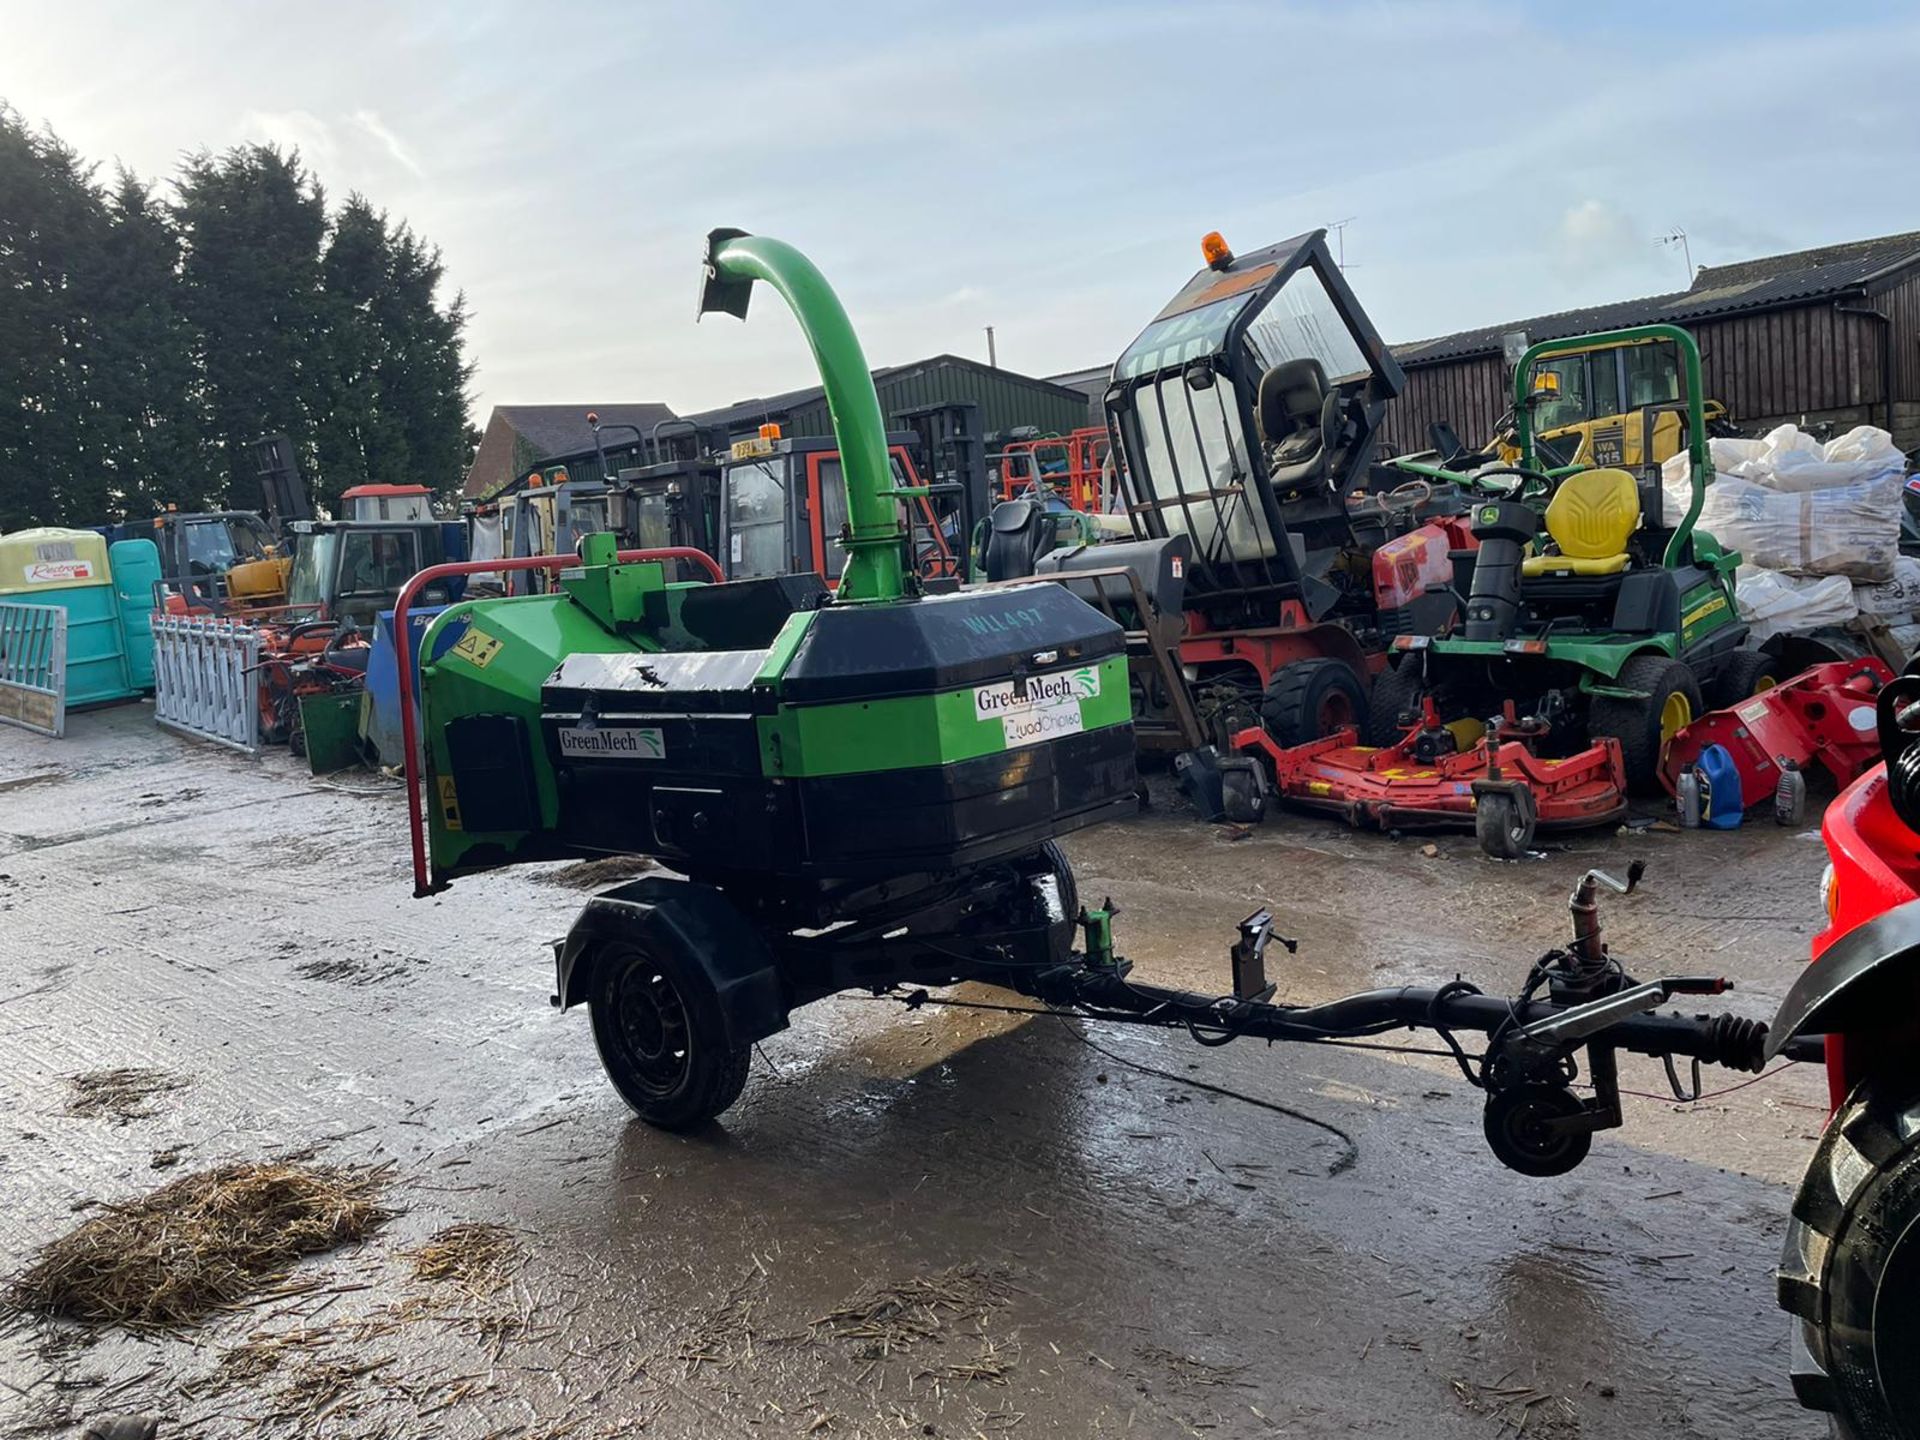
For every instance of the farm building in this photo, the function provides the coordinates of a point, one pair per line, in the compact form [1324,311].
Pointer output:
[1092,384]
[1828,334]
[519,436]
[1006,399]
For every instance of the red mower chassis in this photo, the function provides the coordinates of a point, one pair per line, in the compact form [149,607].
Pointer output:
[1825,714]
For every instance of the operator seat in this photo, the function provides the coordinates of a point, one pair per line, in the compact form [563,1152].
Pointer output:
[1299,420]
[1019,532]
[1590,519]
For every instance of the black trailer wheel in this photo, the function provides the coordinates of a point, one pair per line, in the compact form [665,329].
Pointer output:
[1645,727]
[1397,691]
[1516,1123]
[1850,1269]
[1503,822]
[1745,674]
[661,1037]
[1062,869]
[1312,698]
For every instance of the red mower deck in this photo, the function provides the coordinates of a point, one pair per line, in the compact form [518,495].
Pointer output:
[1417,785]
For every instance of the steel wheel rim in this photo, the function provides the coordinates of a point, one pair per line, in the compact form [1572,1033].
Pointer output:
[1516,824]
[651,1022]
[1335,712]
[1676,713]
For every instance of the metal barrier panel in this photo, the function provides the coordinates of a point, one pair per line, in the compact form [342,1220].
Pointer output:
[206,679]
[33,667]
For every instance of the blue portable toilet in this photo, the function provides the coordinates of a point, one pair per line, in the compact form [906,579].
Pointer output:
[109,634]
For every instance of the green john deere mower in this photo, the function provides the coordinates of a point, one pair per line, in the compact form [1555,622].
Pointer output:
[1590,611]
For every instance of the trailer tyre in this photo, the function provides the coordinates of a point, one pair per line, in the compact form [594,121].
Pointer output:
[1396,691]
[662,1039]
[1850,1269]
[1504,821]
[1312,698]
[1516,1121]
[1644,727]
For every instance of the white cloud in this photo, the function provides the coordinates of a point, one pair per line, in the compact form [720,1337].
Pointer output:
[1597,236]
[370,122]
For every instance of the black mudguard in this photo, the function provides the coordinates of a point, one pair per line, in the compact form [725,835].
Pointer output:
[698,920]
[1865,981]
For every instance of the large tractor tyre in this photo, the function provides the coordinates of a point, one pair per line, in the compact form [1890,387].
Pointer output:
[1645,727]
[1744,674]
[662,1039]
[1312,698]
[1850,1269]
[1396,692]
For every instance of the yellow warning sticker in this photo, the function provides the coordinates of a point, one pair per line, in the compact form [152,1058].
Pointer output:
[477,648]
[450,800]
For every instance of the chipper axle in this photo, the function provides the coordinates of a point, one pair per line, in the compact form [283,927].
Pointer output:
[1577,998]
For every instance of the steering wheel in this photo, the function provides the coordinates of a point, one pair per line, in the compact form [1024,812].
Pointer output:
[1525,485]
[1407,497]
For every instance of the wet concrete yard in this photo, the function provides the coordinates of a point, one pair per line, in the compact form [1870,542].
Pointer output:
[943,1223]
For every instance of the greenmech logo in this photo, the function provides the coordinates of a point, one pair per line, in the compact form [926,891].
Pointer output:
[613,742]
[1013,697]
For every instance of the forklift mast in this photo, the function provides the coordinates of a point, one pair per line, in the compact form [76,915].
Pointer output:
[282,492]
[1246,413]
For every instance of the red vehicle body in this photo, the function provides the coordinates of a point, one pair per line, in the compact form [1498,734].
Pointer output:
[1825,714]
[1850,1264]
[1875,868]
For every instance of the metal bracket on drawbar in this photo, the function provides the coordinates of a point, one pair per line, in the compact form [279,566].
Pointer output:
[1249,957]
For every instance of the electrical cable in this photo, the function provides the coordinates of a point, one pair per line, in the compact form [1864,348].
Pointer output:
[1714,1094]
[1342,1164]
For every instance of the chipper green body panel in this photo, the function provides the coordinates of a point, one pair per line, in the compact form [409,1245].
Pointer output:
[859,789]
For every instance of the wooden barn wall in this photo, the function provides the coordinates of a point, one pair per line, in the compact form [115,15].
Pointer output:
[1901,304]
[1789,362]
[1765,367]
[1470,394]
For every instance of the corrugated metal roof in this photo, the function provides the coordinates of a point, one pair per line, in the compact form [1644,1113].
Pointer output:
[1087,382]
[772,407]
[1766,283]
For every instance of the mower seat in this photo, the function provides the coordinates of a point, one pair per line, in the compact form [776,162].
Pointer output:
[1590,519]
[1019,532]
[1297,414]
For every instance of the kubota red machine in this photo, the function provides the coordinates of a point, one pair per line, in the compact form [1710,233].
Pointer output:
[1850,1268]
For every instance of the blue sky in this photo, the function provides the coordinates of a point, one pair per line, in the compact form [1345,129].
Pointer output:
[1044,169]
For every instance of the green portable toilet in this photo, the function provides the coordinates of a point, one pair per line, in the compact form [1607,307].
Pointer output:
[109,652]
[136,571]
